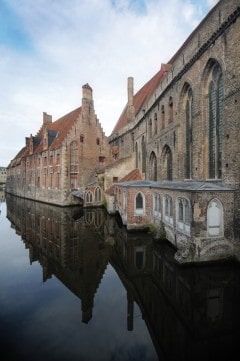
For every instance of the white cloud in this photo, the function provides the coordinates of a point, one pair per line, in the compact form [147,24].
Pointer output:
[76,42]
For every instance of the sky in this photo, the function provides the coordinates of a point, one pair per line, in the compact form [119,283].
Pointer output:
[50,48]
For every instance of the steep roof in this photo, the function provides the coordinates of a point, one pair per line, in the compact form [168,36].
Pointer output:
[142,96]
[58,130]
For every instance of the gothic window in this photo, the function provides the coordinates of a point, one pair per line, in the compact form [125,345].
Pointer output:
[183,214]
[143,155]
[89,197]
[157,205]
[215,218]
[188,154]
[153,167]
[136,155]
[150,128]
[139,204]
[155,123]
[163,116]
[97,194]
[170,110]
[167,154]
[215,122]
[73,157]
[168,209]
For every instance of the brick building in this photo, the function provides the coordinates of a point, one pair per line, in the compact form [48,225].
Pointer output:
[183,129]
[62,158]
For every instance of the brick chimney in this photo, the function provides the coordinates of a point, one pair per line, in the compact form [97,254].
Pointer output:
[130,106]
[87,103]
[47,119]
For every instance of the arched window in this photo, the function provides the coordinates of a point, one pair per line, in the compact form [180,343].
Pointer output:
[183,214]
[150,128]
[215,96]
[157,205]
[188,154]
[155,123]
[170,110]
[153,167]
[73,157]
[168,209]
[139,204]
[215,218]
[98,194]
[136,155]
[89,197]
[143,155]
[163,116]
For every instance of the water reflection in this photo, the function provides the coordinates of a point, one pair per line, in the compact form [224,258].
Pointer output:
[191,312]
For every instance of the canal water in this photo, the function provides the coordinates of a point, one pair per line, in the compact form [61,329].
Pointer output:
[74,285]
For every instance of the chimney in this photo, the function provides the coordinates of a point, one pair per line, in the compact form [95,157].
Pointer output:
[87,103]
[47,119]
[87,92]
[130,106]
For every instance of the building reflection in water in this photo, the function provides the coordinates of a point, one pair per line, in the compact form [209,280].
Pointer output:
[191,312]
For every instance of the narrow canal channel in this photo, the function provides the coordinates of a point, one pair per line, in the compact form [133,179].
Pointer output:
[74,285]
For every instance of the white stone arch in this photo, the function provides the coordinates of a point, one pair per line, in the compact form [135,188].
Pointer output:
[215,224]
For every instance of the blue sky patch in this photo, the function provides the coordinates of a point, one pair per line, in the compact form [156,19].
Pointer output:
[11,31]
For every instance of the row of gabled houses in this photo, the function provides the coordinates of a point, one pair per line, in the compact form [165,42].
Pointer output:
[172,162]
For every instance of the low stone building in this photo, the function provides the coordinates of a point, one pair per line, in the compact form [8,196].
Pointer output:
[62,158]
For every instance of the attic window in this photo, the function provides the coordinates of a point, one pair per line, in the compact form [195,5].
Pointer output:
[81,138]
[101,159]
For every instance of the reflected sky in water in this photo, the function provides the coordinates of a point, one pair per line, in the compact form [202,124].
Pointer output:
[43,320]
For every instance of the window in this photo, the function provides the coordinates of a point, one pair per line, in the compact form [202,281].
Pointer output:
[215,96]
[155,123]
[81,138]
[183,214]
[188,154]
[168,209]
[136,155]
[215,218]
[143,155]
[139,204]
[73,157]
[150,128]
[89,197]
[98,141]
[157,205]
[98,194]
[170,110]
[153,167]
[163,117]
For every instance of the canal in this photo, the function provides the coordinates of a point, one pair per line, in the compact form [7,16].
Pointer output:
[74,285]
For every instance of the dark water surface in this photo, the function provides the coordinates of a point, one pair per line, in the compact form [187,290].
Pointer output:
[74,285]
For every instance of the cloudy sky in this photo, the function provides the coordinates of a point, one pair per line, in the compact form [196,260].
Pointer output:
[50,48]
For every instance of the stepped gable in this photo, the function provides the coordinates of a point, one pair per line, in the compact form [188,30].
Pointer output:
[142,96]
[60,127]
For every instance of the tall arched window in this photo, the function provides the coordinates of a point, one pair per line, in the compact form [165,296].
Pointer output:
[168,209]
[183,214]
[215,218]
[170,110]
[188,154]
[98,194]
[143,155]
[155,123]
[163,116]
[153,167]
[139,204]
[89,197]
[157,205]
[215,96]
[73,157]
[136,155]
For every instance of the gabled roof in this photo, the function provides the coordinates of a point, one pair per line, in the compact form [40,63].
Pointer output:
[134,175]
[58,130]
